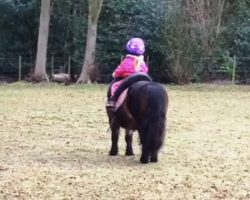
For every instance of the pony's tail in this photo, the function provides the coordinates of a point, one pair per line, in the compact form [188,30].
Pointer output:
[153,134]
[154,124]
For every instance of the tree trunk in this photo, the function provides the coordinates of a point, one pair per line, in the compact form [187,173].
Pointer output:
[89,57]
[41,56]
[220,12]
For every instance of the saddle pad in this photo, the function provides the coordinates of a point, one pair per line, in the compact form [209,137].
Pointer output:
[121,99]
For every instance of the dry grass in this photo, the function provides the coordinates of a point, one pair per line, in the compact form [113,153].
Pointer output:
[54,145]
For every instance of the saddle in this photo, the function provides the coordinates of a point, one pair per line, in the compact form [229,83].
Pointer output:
[121,92]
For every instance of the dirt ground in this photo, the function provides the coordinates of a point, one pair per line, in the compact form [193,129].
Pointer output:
[54,145]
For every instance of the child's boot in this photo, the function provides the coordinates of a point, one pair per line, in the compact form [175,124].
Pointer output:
[110,104]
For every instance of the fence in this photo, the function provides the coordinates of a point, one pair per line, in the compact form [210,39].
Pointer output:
[20,68]
[236,69]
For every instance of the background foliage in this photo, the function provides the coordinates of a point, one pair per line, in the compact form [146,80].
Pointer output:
[182,45]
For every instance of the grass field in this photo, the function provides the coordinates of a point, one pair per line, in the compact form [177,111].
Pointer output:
[54,145]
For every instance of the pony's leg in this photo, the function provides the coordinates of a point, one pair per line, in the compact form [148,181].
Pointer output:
[145,154]
[154,156]
[145,147]
[156,143]
[114,139]
[129,139]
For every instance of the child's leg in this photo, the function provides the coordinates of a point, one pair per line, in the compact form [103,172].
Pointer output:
[114,87]
[110,86]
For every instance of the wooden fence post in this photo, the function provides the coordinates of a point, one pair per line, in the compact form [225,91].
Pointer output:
[69,64]
[234,70]
[52,65]
[20,68]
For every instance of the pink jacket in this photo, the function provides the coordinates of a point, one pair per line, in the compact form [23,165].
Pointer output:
[131,64]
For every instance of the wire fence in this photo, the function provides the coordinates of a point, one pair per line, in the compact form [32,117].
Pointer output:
[21,68]
[234,69]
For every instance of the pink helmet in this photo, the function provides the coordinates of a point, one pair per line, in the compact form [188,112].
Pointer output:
[136,46]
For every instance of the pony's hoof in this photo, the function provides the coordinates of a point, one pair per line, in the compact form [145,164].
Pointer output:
[129,154]
[153,160]
[113,153]
[144,160]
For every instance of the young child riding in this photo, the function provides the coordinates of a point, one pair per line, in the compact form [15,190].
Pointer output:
[132,63]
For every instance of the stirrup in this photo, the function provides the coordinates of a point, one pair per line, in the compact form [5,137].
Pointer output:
[111,106]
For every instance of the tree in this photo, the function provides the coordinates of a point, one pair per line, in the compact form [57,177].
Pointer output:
[205,18]
[195,25]
[94,8]
[236,36]
[41,56]
[18,19]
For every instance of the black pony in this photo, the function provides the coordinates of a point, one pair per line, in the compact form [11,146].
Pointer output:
[144,109]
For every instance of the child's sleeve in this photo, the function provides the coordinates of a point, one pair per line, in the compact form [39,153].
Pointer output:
[124,69]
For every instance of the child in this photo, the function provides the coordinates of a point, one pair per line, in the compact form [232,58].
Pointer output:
[133,62]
